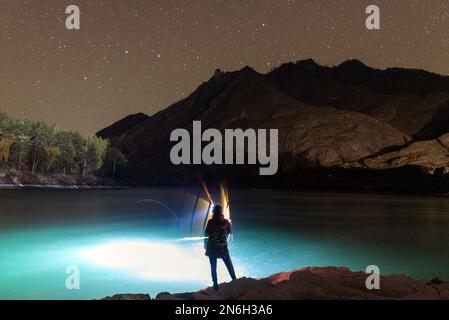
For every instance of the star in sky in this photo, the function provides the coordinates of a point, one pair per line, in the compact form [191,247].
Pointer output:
[141,56]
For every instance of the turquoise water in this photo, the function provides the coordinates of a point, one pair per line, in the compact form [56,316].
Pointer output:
[142,249]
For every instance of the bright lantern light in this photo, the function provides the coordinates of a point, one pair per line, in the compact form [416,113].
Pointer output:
[224,201]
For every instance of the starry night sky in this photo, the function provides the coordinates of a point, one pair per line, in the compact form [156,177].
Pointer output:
[142,55]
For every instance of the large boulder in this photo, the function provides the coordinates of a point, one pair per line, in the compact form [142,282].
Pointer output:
[317,284]
[128,296]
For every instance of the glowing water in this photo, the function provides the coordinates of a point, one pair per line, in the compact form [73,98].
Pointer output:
[144,251]
[153,260]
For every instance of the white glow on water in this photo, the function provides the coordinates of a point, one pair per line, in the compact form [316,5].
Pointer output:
[152,260]
[193,238]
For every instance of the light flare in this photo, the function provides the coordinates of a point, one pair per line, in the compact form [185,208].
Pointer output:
[224,201]
[224,194]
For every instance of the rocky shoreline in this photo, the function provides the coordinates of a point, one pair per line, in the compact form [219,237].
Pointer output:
[11,179]
[312,283]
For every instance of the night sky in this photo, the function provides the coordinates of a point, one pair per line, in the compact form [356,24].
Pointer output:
[142,55]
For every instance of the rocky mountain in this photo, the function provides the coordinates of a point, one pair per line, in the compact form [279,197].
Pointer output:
[330,283]
[335,123]
[413,101]
[430,155]
[123,125]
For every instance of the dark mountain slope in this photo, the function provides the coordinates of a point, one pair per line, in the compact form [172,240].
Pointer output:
[415,102]
[307,74]
[309,136]
[125,124]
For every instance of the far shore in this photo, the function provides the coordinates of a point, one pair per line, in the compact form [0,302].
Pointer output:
[58,187]
[12,179]
[99,186]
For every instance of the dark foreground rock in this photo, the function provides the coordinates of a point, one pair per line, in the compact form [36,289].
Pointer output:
[315,284]
[128,296]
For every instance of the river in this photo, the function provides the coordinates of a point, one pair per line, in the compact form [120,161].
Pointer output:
[121,244]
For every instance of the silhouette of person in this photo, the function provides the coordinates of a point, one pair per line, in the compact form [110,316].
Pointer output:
[217,231]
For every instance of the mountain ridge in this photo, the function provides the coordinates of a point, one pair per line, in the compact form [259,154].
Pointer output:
[328,117]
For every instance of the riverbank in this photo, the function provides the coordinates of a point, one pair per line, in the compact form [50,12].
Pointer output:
[313,283]
[12,179]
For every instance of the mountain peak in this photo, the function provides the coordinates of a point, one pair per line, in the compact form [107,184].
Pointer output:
[220,75]
[353,64]
[247,70]
[307,63]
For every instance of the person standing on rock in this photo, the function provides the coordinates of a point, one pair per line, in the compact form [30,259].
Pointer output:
[217,231]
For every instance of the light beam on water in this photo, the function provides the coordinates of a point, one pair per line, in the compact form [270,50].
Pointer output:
[153,260]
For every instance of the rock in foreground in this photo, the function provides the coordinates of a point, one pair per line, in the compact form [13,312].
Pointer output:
[318,284]
[128,296]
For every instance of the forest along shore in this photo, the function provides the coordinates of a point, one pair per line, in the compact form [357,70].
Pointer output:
[34,153]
